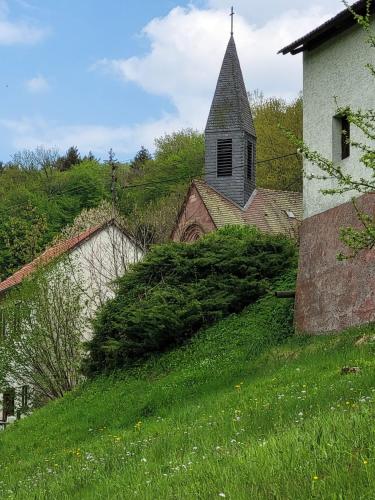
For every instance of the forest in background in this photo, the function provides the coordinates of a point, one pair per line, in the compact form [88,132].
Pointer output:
[42,192]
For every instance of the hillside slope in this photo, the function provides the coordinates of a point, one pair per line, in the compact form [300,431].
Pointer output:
[241,412]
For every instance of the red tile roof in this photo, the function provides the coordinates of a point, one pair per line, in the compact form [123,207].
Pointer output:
[276,212]
[48,255]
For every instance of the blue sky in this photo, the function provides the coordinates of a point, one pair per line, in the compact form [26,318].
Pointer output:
[115,73]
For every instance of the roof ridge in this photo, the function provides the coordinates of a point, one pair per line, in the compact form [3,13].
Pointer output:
[51,253]
[279,191]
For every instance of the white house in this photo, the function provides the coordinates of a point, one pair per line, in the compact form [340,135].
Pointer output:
[94,259]
[333,295]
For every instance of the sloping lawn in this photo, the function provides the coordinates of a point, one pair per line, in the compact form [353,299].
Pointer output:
[242,412]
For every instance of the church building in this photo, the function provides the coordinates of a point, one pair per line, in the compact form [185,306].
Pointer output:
[228,194]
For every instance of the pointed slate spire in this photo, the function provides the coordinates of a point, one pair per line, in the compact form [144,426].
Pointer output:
[230,134]
[230,108]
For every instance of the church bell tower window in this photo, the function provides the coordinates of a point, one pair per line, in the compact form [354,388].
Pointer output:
[224,157]
[250,159]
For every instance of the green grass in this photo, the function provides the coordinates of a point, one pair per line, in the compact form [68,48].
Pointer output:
[241,411]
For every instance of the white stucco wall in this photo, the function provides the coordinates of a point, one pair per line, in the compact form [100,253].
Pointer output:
[336,68]
[94,266]
[97,263]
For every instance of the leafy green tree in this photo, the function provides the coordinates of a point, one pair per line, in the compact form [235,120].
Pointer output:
[21,239]
[42,347]
[28,196]
[178,158]
[272,117]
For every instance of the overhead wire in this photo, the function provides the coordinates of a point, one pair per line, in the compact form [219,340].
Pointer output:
[148,184]
[133,186]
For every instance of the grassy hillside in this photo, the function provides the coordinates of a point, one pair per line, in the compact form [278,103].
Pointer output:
[241,412]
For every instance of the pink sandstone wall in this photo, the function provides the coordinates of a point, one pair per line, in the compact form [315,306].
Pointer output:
[333,295]
[194,216]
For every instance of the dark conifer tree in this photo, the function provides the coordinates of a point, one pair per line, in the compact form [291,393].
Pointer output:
[71,158]
[141,158]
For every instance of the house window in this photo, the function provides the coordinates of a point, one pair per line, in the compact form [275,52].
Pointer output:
[340,138]
[250,159]
[345,136]
[8,403]
[224,157]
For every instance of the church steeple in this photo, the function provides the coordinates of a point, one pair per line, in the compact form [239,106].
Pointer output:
[230,133]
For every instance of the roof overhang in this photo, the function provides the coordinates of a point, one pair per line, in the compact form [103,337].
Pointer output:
[333,27]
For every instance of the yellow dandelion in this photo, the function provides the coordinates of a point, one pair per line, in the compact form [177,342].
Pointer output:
[138,426]
[365,462]
[315,478]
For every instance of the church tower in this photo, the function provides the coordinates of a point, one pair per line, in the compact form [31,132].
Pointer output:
[230,134]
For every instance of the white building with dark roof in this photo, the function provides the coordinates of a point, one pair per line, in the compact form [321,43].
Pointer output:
[333,295]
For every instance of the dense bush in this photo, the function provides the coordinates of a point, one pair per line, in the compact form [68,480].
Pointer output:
[179,288]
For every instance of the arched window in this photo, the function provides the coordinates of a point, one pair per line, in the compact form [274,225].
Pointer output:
[192,233]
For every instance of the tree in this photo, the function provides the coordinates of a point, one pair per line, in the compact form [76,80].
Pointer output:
[40,159]
[153,223]
[271,117]
[364,120]
[44,323]
[141,158]
[89,157]
[21,239]
[178,158]
[178,289]
[71,158]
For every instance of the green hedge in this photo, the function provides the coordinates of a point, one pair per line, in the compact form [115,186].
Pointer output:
[179,288]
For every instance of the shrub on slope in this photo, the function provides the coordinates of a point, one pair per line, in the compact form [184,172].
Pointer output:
[181,288]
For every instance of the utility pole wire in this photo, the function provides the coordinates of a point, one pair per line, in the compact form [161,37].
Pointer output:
[113,164]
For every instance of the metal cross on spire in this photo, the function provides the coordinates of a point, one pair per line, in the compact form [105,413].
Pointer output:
[231,24]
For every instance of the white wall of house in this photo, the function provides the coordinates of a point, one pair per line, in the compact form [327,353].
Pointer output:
[336,68]
[95,265]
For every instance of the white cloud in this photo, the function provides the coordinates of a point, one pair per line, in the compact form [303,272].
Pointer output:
[182,64]
[271,8]
[125,140]
[187,47]
[37,85]
[18,32]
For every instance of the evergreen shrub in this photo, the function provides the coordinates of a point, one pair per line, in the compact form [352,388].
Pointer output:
[179,288]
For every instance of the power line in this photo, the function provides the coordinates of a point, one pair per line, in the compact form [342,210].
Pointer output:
[278,158]
[145,185]
[133,186]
